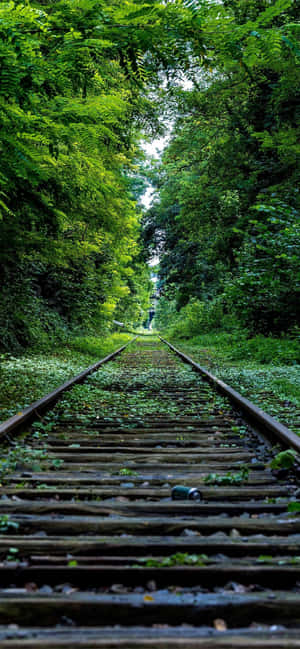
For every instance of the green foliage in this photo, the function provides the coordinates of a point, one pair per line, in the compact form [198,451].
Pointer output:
[128,472]
[268,559]
[194,317]
[178,559]
[6,524]
[264,370]
[234,344]
[80,86]
[227,217]
[229,478]
[294,507]
[267,261]
[99,347]
[284,460]
[12,554]
[69,225]
[26,378]
[23,457]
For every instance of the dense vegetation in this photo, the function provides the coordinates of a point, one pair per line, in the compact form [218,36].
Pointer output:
[82,83]
[226,219]
[69,114]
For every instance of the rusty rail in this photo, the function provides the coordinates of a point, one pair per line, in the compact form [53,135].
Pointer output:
[259,417]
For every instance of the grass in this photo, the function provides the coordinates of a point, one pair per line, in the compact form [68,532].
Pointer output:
[28,377]
[265,370]
[99,347]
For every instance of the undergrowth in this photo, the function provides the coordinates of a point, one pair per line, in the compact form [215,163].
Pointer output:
[28,377]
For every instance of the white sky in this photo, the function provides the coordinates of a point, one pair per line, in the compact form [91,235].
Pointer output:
[156,147]
[153,149]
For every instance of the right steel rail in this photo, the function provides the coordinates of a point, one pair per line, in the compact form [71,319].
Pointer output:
[257,415]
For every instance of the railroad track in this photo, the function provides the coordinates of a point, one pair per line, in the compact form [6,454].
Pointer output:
[94,551]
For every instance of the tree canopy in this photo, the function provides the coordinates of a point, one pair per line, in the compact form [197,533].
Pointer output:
[82,82]
[227,217]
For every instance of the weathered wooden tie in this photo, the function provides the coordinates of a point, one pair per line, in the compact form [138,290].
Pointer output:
[95,552]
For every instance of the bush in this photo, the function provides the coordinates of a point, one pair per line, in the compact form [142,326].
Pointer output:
[264,291]
[237,346]
[194,318]
[99,346]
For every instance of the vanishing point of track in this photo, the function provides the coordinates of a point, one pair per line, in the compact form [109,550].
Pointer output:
[106,558]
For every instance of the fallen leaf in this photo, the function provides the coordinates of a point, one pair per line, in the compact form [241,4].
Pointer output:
[220,625]
[148,598]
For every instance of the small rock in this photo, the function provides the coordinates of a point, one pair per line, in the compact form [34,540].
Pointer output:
[145,484]
[234,534]
[151,585]
[11,564]
[46,590]
[41,533]
[218,535]
[31,587]
[67,620]
[118,588]
[187,532]
[238,588]
[67,590]
[60,587]
[220,625]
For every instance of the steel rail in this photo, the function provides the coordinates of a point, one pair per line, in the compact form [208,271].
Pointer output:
[33,410]
[260,417]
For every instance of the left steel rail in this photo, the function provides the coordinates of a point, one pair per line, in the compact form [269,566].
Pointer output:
[27,415]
